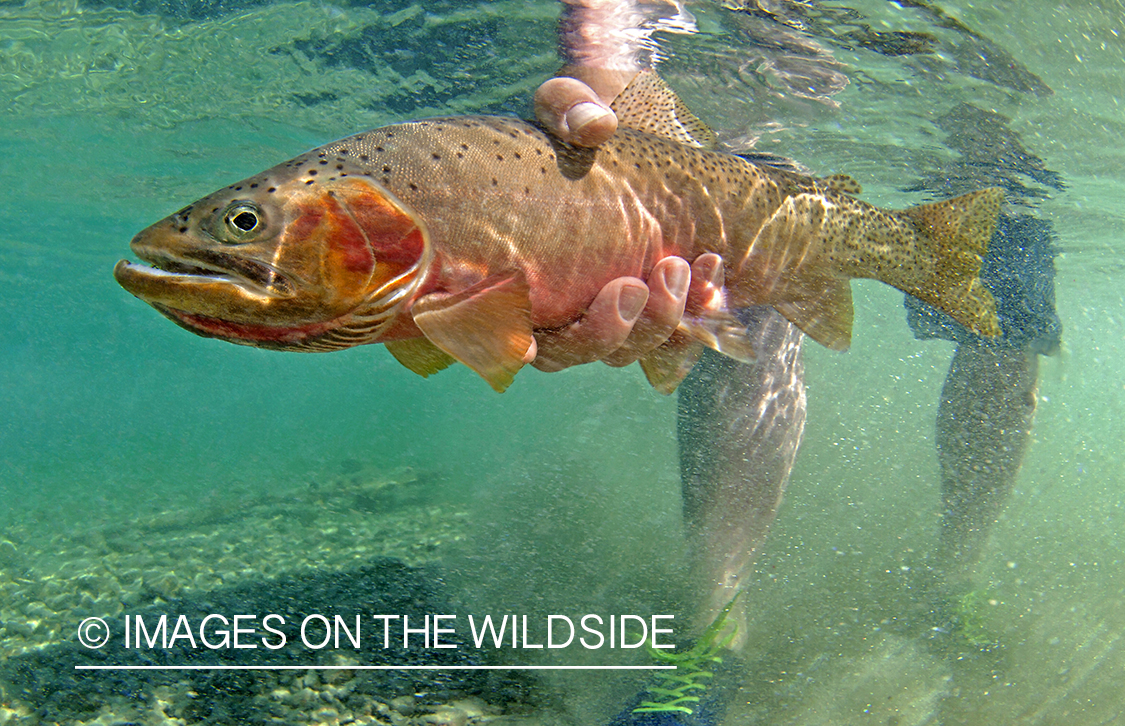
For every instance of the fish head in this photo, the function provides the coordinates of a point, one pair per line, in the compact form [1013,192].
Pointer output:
[295,258]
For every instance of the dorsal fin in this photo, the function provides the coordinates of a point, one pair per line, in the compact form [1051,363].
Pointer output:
[840,183]
[776,161]
[649,104]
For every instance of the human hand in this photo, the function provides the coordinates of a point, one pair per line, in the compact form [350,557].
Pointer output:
[574,112]
[629,319]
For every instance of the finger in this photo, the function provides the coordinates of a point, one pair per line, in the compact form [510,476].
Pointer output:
[606,82]
[573,111]
[604,327]
[668,286]
[707,280]
[532,351]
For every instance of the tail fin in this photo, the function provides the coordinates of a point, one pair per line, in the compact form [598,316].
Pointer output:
[805,255]
[957,231]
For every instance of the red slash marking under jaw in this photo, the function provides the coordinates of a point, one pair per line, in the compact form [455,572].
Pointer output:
[247,331]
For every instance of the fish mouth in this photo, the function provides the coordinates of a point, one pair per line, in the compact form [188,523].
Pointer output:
[166,275]
[215,303]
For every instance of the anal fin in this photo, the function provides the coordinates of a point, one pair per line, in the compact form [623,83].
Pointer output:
[420,356]
[487,326]
[825,317]
[786,267]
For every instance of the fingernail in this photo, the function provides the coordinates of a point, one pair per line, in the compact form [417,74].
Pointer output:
[676,280]
[584,113]
[709,266]
[631,302]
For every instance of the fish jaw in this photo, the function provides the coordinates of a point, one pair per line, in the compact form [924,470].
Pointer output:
[282,261]
[202,303]
[186,273]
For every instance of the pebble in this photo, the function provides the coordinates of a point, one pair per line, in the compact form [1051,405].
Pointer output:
[9,554]
[446,716]
[404,705]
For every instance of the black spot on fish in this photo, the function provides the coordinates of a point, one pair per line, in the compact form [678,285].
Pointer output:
[363,157]
[436,157]
[310,181]
[271,190]
[183,230]
[254,185]
[516,154]
[386,170]
[324,162]
[312,172]
[413,187]
[499,157]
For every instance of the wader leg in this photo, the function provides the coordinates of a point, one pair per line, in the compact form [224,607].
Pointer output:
[983,427]
[739,427]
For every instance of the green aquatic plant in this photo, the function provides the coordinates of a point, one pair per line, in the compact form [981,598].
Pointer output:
[675,688]
[968,614]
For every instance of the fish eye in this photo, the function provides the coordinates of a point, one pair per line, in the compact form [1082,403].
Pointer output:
[241,221]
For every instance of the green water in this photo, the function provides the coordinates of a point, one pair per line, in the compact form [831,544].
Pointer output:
[114,117]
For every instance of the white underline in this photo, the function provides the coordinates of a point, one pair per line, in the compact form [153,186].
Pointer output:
[371,668]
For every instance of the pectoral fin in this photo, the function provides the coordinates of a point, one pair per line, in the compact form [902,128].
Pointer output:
[487,326]
[420,356]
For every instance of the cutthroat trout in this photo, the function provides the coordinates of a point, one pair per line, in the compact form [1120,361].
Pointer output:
[455,239]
